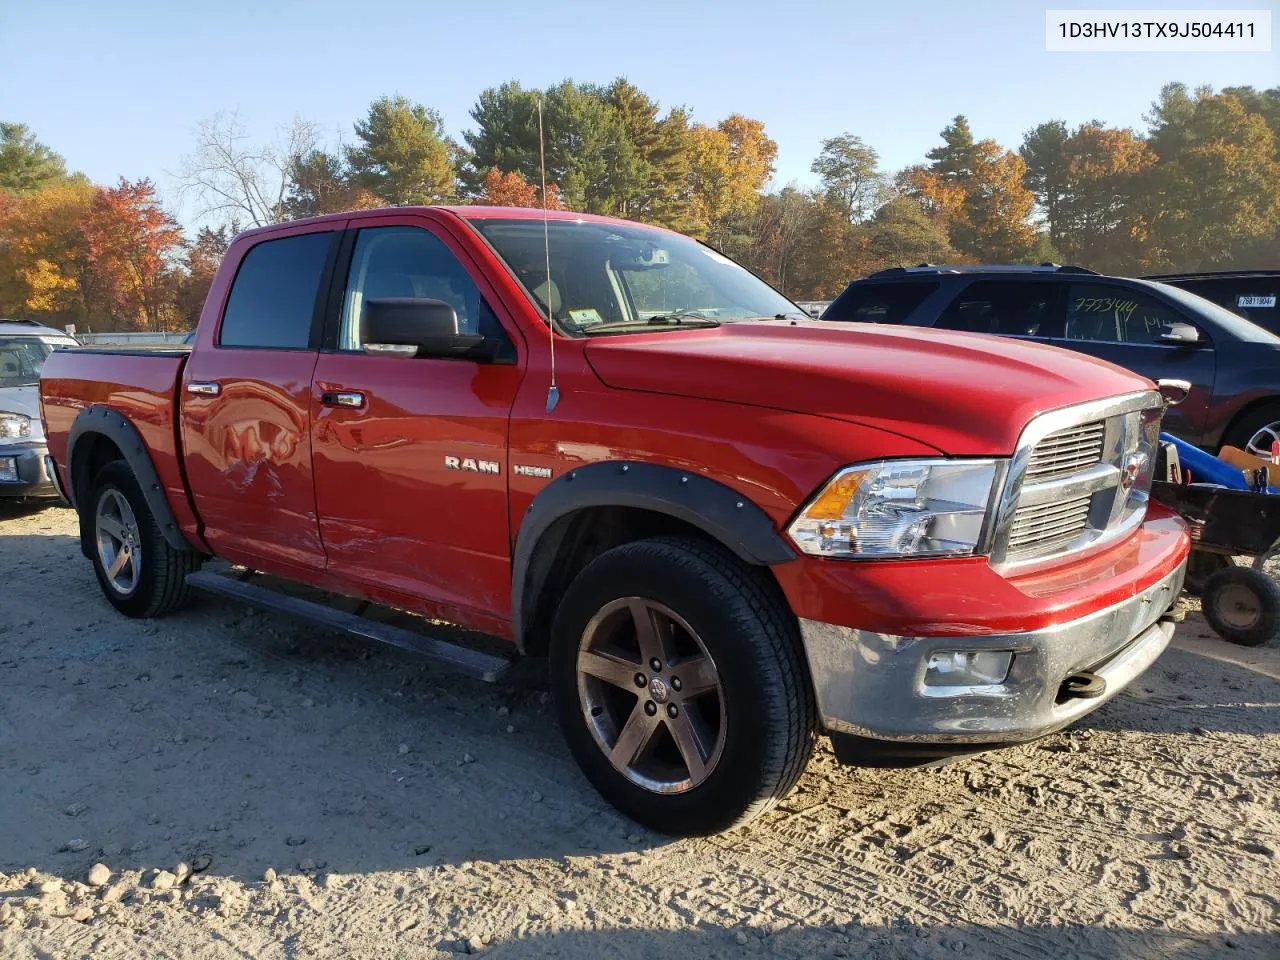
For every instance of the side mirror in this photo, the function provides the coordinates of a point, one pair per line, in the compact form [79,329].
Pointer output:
[1179,334]
[415,327]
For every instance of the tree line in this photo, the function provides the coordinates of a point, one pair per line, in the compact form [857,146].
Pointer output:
[1198,188]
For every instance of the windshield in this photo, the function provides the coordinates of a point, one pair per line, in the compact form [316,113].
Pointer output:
[609,278]
[1232,323]
[21,359]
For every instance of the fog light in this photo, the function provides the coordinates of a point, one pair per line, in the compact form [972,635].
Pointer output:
[9,469]
[967,668]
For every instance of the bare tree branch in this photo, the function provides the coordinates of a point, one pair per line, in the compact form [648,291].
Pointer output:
[233,180]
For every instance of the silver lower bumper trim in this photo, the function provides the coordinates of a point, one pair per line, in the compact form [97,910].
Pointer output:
[872,684]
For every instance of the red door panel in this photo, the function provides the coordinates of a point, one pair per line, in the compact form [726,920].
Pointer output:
[248,454]
[393,512]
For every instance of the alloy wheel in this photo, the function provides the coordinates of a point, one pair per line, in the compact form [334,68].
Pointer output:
[119,543]
[651,695]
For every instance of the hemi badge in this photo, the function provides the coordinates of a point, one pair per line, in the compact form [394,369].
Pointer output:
[523,470]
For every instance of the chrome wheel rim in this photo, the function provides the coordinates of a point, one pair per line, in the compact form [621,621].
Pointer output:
[651,695]
[1238,606]
[119,549]
[1260,443]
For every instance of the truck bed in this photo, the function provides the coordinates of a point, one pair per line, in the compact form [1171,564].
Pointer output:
[140,384]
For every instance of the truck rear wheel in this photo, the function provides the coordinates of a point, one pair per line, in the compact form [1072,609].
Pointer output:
[141,575]
[680,686]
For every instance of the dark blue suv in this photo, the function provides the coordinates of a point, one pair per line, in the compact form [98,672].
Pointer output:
[1157,330]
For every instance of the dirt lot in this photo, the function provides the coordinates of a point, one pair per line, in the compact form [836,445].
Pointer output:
[407,814]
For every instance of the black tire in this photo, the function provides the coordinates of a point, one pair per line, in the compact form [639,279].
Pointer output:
[1242,606]
[753,639]
[161,578]
[1243,429]
[1200,567]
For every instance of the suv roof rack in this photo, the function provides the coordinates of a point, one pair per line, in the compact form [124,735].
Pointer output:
[1209,274]
[24,322]
[983,268]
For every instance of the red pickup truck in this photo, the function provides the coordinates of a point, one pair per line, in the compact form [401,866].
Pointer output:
[726,526]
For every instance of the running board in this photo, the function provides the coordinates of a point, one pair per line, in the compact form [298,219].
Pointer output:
[474,663]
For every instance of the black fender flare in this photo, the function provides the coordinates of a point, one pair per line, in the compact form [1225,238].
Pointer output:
[714,508]
[103,421]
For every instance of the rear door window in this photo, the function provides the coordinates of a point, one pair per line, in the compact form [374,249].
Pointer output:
[1110,313]
[879,302]
[1017,309]
[273,300]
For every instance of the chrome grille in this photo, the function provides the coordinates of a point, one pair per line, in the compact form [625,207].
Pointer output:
[1071,481]
[1048,525]
[1066,452]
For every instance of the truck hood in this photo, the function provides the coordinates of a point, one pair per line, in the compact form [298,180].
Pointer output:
[963,394]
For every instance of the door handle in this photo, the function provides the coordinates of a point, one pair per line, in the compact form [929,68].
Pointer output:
[350,400]
[204,389]
[1174,391]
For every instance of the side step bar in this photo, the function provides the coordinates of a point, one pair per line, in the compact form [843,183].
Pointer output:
[474,663]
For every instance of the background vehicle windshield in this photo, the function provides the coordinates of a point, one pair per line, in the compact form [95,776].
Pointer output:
[605,274]
[21,359]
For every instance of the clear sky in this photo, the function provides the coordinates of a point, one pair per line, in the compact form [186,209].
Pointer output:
[117,87]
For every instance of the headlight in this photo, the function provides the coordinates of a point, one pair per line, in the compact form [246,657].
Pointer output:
[14,426]
[900,508]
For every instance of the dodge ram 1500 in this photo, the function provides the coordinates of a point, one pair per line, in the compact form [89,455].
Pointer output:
[726,526]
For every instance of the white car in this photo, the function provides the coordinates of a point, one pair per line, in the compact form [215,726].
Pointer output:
[24,464]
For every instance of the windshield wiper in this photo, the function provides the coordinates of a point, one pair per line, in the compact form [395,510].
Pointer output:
[690,319]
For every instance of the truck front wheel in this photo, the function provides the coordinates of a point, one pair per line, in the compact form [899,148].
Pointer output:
[139,572]
[680,685]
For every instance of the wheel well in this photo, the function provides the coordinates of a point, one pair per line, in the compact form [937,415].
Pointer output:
[576,539]
[93,452]
[1244,413]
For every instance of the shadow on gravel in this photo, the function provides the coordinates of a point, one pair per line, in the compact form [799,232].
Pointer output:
[1201,684]
[18,509]
[885,943]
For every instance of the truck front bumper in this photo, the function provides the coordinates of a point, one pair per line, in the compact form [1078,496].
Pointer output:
[26,471]
[885,690]
[874,685]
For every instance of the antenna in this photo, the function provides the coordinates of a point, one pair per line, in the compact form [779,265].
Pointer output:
[553,392]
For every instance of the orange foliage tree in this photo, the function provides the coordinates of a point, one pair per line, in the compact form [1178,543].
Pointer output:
[512,190]
[131,250]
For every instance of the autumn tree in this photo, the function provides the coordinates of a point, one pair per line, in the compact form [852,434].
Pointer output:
[901,234]
[978,189]
[512,190]
[204,256]
[42,255]
[402,155]
[849,172]
[773,237]
[26,164]
[732,161]
[131,249]
[1215,191]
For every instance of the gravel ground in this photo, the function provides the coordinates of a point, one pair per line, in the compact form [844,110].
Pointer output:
[252,790]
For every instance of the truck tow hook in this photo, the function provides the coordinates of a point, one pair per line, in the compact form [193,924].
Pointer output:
[1082,686]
